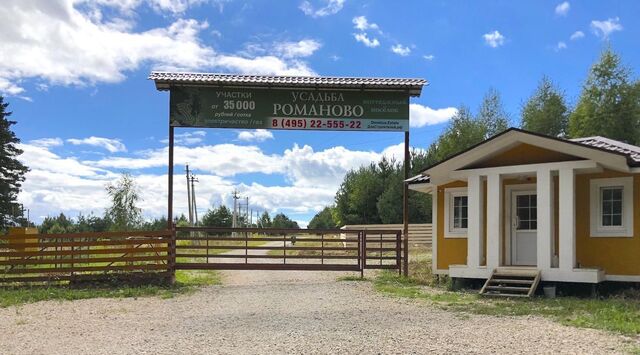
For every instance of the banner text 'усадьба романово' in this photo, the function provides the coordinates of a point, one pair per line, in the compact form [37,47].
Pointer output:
[273,108]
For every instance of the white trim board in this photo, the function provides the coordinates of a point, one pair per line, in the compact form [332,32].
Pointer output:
[510,139]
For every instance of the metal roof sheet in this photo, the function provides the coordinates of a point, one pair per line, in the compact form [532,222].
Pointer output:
[164,80]
[631,151]
[418,179]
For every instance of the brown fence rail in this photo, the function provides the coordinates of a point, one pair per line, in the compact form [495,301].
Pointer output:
[287,249]
[84,256]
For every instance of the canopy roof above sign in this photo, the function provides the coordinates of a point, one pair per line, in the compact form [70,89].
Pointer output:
[164,80]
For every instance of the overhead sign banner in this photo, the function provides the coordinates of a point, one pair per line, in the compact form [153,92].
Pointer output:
[297,109]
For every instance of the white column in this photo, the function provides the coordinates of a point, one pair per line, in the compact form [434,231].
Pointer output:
[434,228]
[494,220]
[475,223]
[567,219]
[544,187]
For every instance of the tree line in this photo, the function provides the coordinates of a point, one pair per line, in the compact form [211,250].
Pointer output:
[608,105]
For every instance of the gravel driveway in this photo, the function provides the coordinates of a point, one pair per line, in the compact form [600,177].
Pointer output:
[281,312]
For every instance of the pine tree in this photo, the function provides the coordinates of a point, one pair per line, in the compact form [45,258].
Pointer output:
[609,104]
[12,171]
[546,111]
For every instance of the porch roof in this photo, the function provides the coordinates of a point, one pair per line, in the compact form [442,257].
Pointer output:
[618,152]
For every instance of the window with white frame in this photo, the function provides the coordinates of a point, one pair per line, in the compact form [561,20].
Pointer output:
[611,207]
[456,214]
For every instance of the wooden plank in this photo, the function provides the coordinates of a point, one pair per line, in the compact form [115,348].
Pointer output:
[84,260]
[81,252]
[78,277]
[86,269]
[145,241]
[96,235]
[508,288]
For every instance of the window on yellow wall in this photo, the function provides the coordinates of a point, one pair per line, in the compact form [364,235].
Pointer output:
[456,213]
[611,207]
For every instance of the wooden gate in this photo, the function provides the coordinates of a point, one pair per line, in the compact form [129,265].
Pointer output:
[201,248]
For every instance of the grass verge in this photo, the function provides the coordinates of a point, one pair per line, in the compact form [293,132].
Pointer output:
[619,312]
[186,282]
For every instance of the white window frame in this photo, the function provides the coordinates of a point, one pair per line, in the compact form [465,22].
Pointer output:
[595,202]
[449,230]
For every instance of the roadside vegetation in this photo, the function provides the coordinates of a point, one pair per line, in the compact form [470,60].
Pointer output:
[186,283]
[617,312]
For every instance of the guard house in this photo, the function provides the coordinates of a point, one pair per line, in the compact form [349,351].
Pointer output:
[566,210]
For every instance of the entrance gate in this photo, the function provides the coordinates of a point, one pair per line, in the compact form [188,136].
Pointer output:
[210,100]
[207,248]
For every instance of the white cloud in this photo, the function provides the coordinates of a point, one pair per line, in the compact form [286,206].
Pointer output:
[563,9]
[258,135]
[421,116]
[576,35]
[401,50]
[47,142]
[361,23]
[303,48]
[64,184]
[494,39]
[606,27]
[8,87]
[265,65]
[187,138]
[429,57]
[560,46]
[112,145]
[332,7]
[74,42]
[364,39]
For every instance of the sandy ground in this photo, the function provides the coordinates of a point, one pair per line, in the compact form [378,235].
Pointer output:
[282,312]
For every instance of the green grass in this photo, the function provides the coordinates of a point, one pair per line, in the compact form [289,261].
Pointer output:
[619,313]
[186,282]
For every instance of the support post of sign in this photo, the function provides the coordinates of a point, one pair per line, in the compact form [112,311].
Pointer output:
[170,179]
[405,204]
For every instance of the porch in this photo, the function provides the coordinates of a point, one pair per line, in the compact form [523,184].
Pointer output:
[524,217]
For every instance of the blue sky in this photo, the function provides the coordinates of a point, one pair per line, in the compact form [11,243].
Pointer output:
[74,73]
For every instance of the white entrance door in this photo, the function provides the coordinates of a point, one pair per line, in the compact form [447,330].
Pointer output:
[524,228]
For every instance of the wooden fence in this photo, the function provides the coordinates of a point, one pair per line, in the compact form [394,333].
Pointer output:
[419,233]
[84,256]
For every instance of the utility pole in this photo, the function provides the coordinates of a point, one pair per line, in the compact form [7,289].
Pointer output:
[234,220]
[246,215]
[193,194]
[189,196]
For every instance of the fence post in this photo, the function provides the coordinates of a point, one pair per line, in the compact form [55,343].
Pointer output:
[399,252]
[171,263]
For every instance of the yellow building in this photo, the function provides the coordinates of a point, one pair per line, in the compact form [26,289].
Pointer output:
[568,208]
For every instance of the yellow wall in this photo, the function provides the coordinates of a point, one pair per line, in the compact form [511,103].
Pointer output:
[616,255]
[450,251]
